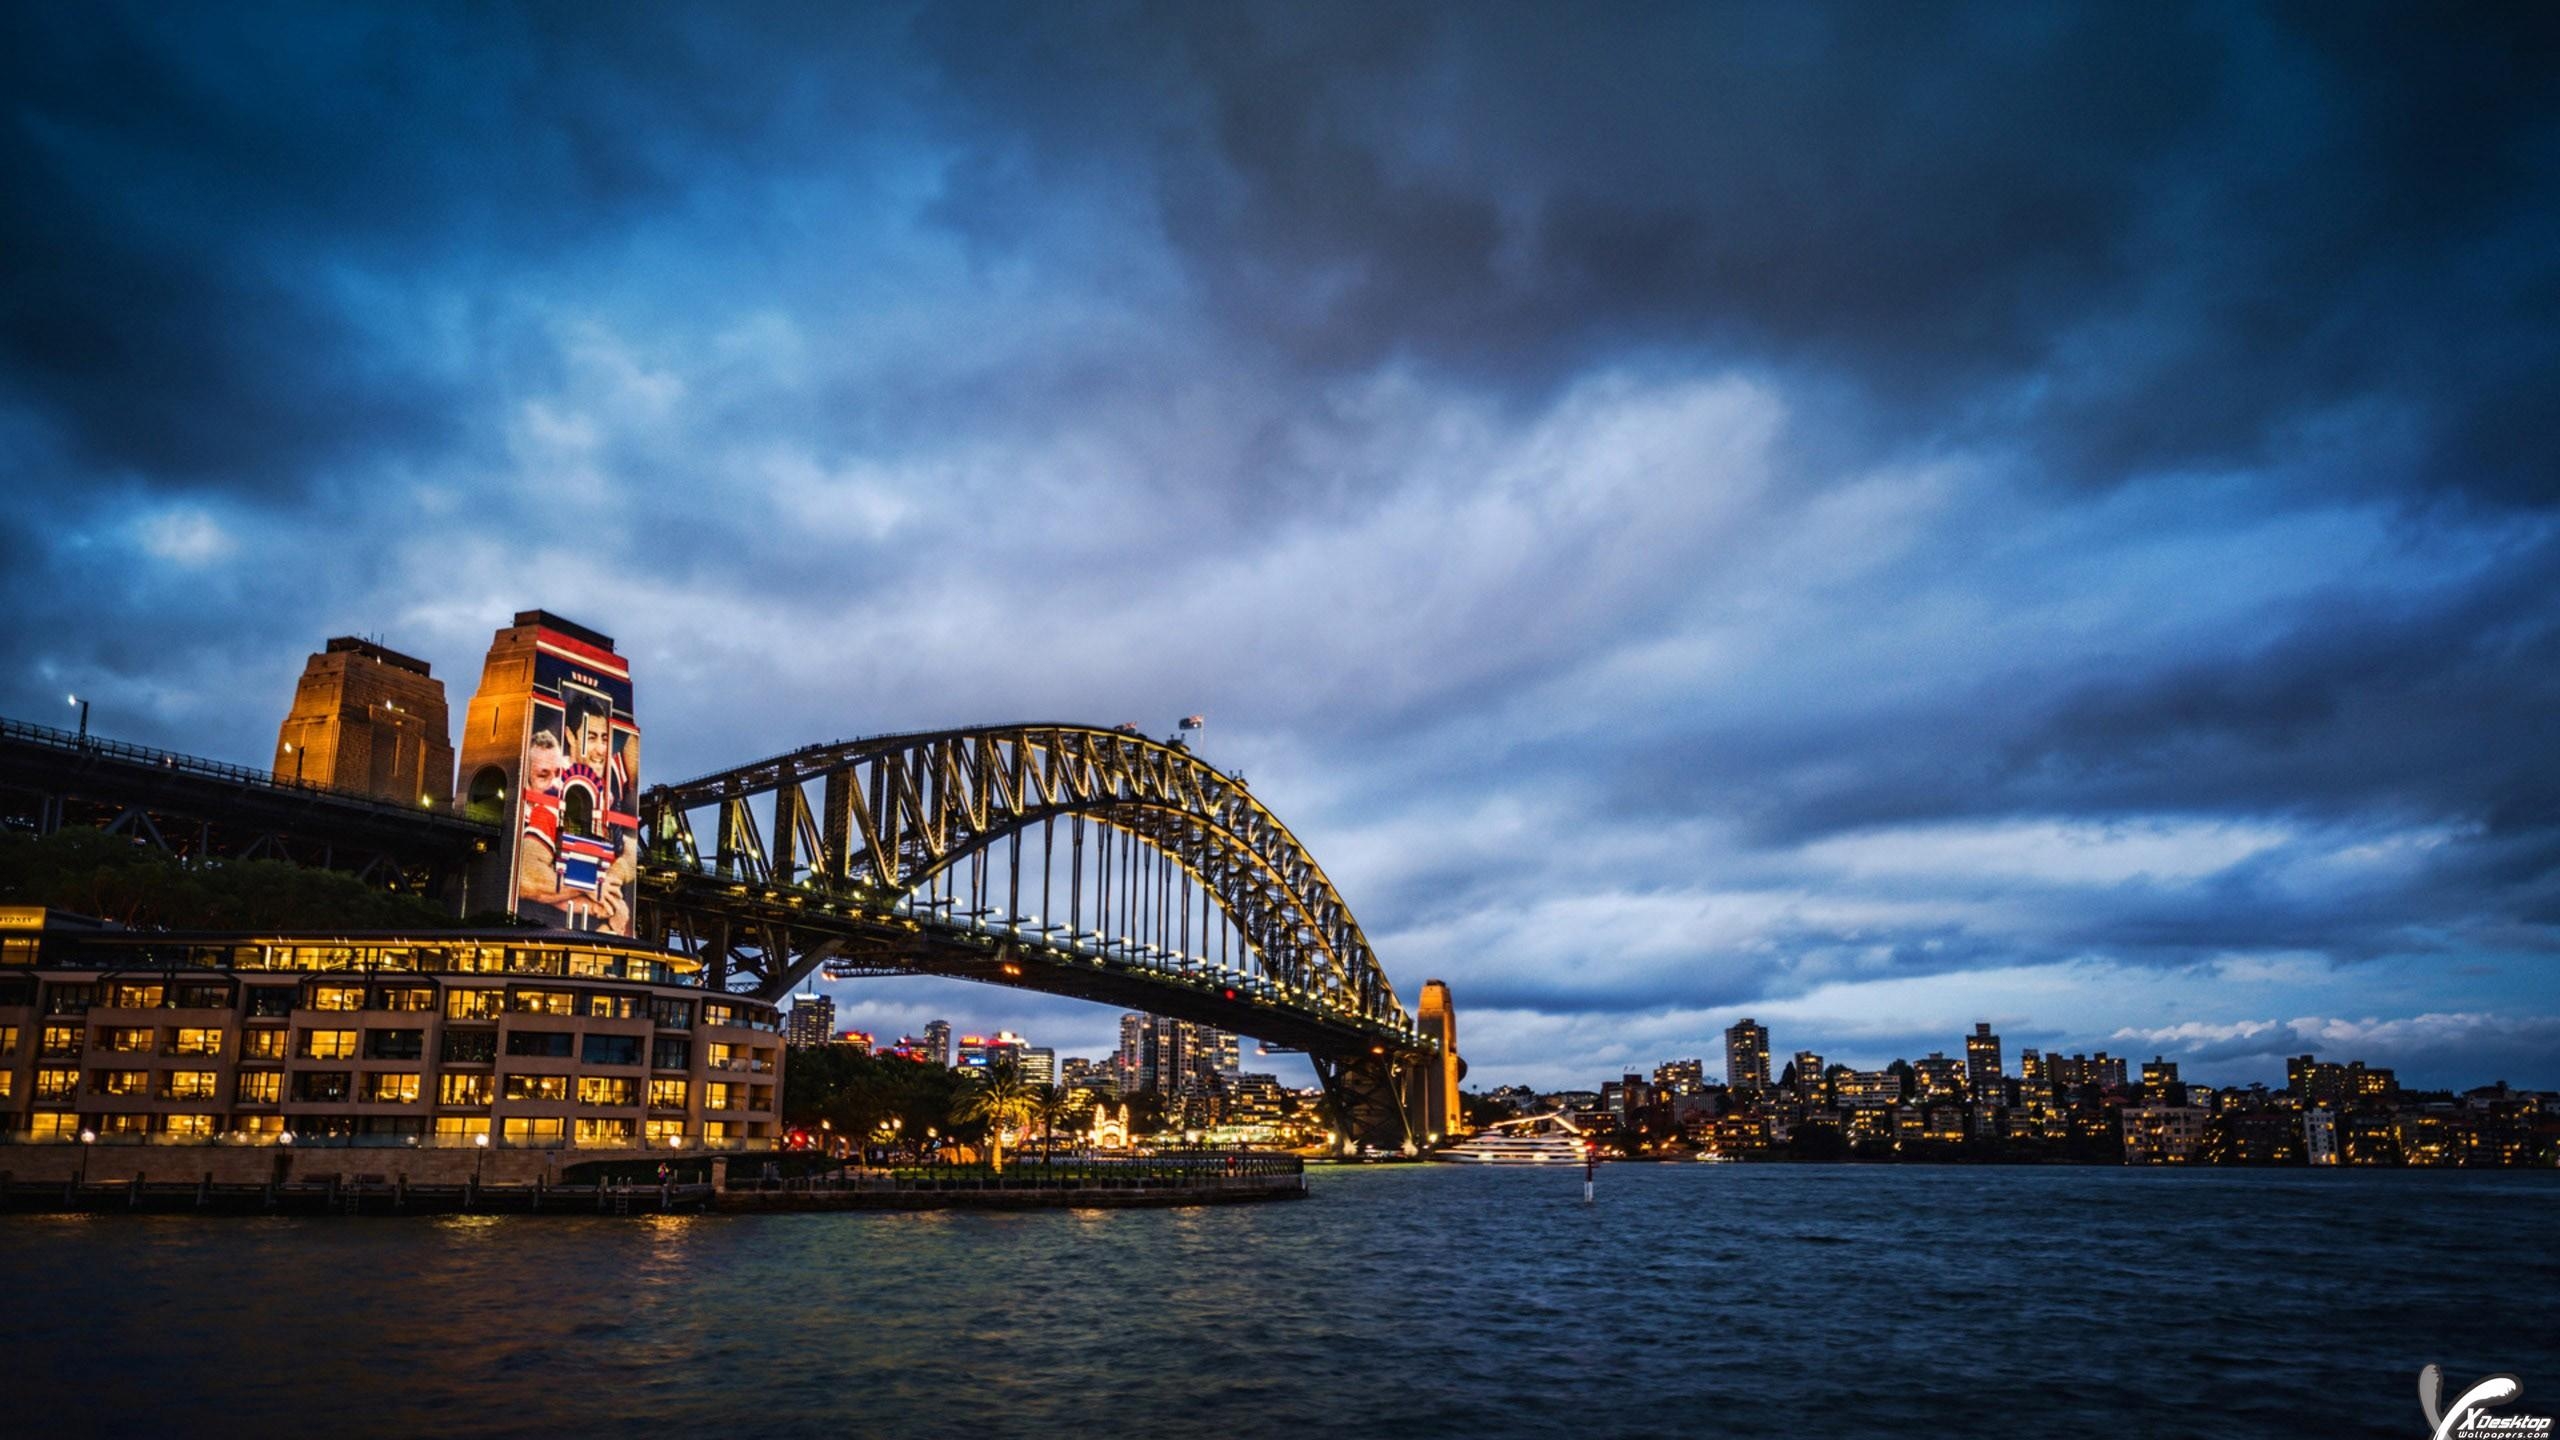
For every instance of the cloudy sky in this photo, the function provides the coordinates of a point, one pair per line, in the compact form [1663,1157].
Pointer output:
[1871,518]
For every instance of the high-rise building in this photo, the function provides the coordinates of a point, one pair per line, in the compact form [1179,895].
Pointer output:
[1039,1065]
[1158,1053]
[1939,1077]
[368,719]
[1809,1080]
[937,1041]
[1681,1077]
[1982,1064]
[813,1020]
[1746,1055]
[1128,1063]
[988,1052]
[2159,1071]
[858,1040]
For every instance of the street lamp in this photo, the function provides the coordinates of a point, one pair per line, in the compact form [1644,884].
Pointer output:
[88,1138]
[84,717]
[296,752]
[480,1155]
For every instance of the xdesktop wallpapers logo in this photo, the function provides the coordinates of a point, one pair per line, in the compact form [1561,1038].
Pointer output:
[2469,1415]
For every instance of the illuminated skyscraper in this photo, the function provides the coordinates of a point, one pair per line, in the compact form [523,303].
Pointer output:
[1746,1055]
[1982,1064]
[937,1041]
[1160,1053]
[813,1020]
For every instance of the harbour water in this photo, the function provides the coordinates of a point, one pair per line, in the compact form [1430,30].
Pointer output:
[1398,1300]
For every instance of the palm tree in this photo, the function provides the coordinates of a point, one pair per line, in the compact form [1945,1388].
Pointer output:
[999,1099]
[1049,1102]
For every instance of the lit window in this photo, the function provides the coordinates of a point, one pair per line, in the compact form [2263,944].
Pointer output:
[198,1127]
[259,1087]
[718,1096]
[337,997]
[543,1002]
[53,1125]
[537,1087]
[598,1090]
[121,1082]
[328,1044]
[471,1004]
[390,1088]
[262,1044]
[134,997]
[666,1094]
[660,1132]
[605,1132]
[530,1131]
[190,1085]
[134,1040]
[57,1084]
[195,1042]
[461,1127]
[60,1040]
[463,1090]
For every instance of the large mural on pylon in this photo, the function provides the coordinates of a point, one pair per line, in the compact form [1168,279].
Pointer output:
[578,844]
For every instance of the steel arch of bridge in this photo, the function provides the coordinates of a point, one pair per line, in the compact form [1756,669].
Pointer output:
[896,817]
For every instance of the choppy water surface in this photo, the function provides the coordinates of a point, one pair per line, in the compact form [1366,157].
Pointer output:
[1441,1300]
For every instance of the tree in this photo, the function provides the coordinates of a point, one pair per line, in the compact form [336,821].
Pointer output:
[115,877]
[999,1099]
[1051,1104]
[1479,1110]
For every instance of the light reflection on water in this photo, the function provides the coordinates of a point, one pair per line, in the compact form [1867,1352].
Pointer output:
[1436,1300]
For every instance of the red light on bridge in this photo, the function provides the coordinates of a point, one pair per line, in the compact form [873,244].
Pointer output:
[1229,992]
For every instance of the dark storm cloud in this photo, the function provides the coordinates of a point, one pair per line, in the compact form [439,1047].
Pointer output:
[2129,239]
[201,202]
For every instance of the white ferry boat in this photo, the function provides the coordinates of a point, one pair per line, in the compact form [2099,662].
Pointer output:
[1534,1140]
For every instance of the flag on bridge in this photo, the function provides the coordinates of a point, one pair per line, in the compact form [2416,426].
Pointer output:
[1194,722]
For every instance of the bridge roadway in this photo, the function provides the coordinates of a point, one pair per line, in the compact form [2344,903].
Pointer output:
[916,859]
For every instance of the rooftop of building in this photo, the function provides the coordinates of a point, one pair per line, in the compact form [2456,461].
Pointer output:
[358,645]
[570,628]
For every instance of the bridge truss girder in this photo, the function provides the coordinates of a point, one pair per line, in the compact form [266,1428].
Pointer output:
[896,814]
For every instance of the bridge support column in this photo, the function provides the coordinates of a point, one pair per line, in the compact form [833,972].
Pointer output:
[1370,1099]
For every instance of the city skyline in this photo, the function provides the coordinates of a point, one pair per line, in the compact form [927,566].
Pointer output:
[1689,546]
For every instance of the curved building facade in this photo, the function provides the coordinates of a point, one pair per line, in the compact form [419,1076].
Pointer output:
[506,1040]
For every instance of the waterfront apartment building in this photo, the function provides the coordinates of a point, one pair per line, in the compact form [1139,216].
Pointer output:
[2164,1134]
[513,1039]
[1746,1055]
[937,1041]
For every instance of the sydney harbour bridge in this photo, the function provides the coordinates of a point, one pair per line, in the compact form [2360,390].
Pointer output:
[1068,859]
